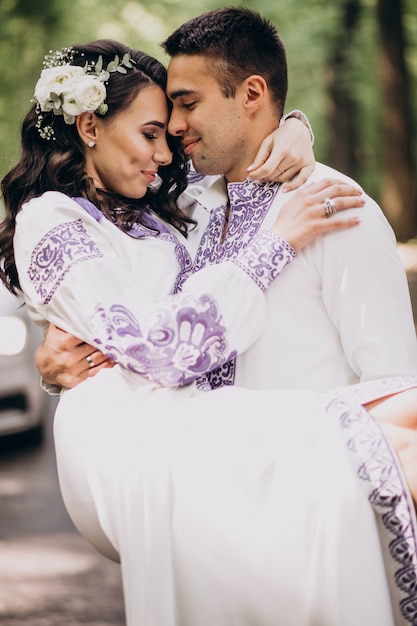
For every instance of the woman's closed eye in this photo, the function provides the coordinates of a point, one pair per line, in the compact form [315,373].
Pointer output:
[150,136]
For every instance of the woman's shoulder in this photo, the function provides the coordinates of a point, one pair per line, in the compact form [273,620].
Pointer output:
[48,210]
[49,198]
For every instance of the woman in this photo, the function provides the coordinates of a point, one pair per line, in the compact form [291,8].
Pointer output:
[224,507]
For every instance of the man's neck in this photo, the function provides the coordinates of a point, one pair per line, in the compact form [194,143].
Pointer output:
[264,128]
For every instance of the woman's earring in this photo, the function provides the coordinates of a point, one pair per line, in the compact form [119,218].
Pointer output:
[91,144]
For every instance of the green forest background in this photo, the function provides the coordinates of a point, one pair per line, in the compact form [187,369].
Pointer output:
[352,69]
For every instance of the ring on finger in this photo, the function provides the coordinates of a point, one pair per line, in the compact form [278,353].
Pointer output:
[329,207]
[89,360]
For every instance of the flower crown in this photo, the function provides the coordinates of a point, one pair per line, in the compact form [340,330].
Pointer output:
[69,90]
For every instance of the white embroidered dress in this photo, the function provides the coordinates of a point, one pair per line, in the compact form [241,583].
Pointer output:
[229,507]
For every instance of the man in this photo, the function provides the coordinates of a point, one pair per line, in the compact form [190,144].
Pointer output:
[341,313]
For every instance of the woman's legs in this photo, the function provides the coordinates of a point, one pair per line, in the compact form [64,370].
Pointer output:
[399,409]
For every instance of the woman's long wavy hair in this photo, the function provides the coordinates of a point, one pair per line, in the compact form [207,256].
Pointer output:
[59,165]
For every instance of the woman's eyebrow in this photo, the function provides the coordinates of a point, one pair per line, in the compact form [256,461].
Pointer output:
[155,123]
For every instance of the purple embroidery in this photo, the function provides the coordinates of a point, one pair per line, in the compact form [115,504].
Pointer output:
[183,258]
[376,466]
[249,205]
[194,177]
[265,258]
[223,375]
[181,343]
[89,207]
[57,252]
[209,251]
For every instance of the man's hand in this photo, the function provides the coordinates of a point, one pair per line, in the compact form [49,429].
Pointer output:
[66,361]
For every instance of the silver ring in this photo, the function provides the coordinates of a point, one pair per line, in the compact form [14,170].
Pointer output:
[89,361]
[329,207]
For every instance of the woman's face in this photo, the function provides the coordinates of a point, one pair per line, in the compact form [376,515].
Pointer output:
[131,146]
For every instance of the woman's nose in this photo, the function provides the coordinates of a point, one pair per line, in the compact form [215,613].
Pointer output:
[163,156]
[177,124]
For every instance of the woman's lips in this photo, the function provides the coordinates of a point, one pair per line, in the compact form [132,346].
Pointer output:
[150,175]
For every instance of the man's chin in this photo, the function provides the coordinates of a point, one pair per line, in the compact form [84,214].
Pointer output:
[202,166]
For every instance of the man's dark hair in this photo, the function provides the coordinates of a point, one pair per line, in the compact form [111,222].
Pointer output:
[239,43]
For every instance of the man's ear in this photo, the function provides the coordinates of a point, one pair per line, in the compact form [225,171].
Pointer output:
[87,127]
[256,90]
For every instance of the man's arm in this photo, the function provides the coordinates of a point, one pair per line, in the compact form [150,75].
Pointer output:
[366,293]
[65,361]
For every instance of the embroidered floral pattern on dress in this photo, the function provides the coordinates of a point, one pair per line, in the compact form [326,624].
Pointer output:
[249,205]
[57,252]
[376,466]
[176,345]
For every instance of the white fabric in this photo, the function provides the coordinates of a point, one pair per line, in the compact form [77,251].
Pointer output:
[74,270]
[230,507]
[339,314]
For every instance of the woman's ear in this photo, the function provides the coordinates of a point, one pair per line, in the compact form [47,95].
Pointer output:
[256,89]
[87,128]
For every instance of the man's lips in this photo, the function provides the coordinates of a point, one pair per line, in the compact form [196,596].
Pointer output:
[189,144]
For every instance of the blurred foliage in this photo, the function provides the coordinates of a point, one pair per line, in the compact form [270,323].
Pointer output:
[310,29]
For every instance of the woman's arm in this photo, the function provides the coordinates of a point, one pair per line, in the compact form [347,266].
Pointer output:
[113,292]
[172,339]
[286,155]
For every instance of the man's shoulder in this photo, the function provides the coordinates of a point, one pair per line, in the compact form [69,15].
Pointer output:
[325,171]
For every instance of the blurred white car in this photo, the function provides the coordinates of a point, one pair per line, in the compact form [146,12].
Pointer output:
[22,401]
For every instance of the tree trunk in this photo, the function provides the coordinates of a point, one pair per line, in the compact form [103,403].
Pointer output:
[343,143]
[398,192]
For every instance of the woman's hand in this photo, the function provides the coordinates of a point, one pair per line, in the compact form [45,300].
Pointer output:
[66,361]
[305,216]
[285,156]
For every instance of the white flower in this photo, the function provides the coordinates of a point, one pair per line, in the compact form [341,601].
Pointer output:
[90,92]
[56,80]
[86,94]
[70,90]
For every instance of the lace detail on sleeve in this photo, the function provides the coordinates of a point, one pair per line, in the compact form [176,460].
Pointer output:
[265,258]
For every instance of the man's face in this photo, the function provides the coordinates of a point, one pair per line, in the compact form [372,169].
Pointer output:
[213,128]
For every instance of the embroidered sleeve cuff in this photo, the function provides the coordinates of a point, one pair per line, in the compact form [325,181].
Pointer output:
[299,115]
[265,258]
